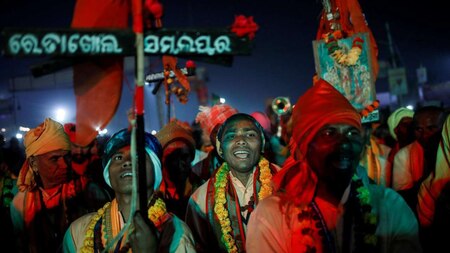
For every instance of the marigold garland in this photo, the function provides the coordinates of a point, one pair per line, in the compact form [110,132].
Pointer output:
[220,185]
[88,244]
[156,213]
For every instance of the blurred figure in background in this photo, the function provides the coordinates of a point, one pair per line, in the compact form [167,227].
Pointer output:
[179,182]
[8,189]
[414,162]
[88,168]
[400,124]
[374,157]
[14,156]
[433,206]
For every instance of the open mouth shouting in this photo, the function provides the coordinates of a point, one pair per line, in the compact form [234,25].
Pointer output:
[242,154]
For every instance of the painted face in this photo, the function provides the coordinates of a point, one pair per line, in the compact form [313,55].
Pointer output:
[53,167]
[334,153]
[120,171]
[241,145]
[427,128]
[177,159]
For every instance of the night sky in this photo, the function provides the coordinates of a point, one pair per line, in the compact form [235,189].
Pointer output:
[281,63]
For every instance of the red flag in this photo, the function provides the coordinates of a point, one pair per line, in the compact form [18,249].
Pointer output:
[98,82]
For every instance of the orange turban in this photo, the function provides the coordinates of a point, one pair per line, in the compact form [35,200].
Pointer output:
[322,104]
[173,131]
[48,136]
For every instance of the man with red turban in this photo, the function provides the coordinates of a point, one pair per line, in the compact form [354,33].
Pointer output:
[324,201]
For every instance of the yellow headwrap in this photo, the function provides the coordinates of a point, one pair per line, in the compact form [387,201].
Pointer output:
[396,117]
[48,136]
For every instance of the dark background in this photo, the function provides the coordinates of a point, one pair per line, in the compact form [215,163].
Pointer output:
[281,63]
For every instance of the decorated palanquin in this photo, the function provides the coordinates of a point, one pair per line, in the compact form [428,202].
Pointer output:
[345,54]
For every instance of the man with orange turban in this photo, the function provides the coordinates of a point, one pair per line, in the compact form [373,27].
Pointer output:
[48,198]
[179,182]
[324,201]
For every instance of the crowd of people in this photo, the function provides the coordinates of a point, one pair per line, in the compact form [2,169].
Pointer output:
[227,182]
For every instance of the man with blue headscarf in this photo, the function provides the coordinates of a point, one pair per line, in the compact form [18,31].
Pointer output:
[104,230]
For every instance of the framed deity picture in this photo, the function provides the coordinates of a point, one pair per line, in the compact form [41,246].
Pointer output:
[353,78]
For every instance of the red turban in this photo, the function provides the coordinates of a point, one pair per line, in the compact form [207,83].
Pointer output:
[210,117]
[322,104]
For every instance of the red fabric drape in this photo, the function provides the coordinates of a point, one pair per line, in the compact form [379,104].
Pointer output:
[98,82]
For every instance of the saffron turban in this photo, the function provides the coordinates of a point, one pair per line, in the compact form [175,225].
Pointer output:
[396,117]
[48,136]
[322,104]
[122,139]
[209,117]
[174,131]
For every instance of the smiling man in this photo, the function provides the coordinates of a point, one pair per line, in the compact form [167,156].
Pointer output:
[219,210]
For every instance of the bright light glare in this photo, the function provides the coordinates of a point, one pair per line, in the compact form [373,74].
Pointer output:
[24,129]
[410,107]
[19,136]
[222,100]
[3,130]
[102,132]
[60,115]
[153,132]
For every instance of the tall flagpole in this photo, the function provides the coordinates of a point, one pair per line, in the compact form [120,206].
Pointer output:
[138,28]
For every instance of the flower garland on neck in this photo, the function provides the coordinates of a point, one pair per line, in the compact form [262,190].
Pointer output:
[220,209]
[156,213]
[312,224]
[338,54]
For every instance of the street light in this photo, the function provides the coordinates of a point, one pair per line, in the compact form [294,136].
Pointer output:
[60,115]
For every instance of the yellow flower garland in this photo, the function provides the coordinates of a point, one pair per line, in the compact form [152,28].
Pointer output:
[88,244]
[220,199]
[156,213]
